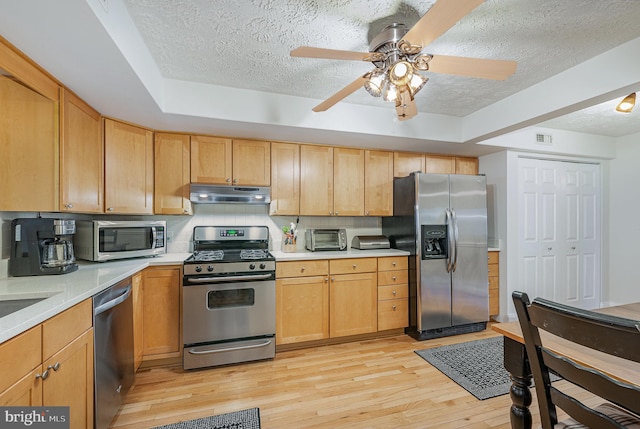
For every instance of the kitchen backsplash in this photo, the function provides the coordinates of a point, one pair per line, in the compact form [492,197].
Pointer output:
[180,228]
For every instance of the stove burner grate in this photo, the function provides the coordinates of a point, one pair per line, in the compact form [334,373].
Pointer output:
[208,255]
[253,254]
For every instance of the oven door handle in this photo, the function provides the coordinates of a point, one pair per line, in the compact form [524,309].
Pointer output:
[229,349]
[229,278]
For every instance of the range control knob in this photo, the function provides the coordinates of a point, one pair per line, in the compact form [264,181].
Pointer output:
[252,266]
[198,268]
[210,268]
[263,266]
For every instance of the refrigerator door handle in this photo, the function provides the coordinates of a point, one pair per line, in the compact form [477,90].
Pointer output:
[454,265]
[450,240]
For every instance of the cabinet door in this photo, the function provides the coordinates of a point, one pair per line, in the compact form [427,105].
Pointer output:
[348,182]
[378,179]
[138,314]
[251,163]
[302,309]
[316,180]
[353,304]
[29,150]
[211,160]
[172,174]
[405,163]
[466,165]
[81,157]
[26,392]
[285,179]
[71,384]
[161,313]
[128,168]
[440,164]
[19,356]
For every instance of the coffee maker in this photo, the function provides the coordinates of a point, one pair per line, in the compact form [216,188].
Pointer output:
[42,246]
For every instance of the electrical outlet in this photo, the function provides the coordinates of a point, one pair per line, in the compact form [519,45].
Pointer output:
[169,236]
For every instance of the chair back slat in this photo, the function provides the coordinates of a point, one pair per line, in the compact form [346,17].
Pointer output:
[607,334]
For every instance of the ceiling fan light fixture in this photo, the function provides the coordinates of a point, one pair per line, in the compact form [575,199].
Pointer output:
[416,83]
[401,73]
[627,104]
[375,82]
[390,92]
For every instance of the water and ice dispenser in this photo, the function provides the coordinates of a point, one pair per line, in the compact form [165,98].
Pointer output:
[434,242]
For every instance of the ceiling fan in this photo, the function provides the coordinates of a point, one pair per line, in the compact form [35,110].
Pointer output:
[397,56]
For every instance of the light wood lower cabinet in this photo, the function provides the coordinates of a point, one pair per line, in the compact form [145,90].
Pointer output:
[161,321]
[393,292]
[302,301]
[138,317]
[353,304]
[52,365]
[494,283]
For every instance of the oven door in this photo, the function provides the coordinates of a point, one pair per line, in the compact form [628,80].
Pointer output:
[227,311]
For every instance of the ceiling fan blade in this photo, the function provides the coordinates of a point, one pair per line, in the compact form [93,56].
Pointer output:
[406,108]
[347,90]
[441,17]
[473,67]
[334,54]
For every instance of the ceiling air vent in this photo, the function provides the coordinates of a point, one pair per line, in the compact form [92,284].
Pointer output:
[543,139]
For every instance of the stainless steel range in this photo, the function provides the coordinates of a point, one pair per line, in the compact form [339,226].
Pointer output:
[228,297]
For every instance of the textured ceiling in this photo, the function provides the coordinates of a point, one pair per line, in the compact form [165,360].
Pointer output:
[246,44]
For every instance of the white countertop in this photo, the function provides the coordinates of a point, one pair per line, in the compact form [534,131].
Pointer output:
[302,255]
[67,290]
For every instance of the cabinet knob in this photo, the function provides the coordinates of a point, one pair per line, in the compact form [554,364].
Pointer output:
[393,263]
[394,308]
[235,180]
[366,213]
[394,278]
[44,375]
[333,279]
[109,209]
[354,266]
[228,180]
[337,213]
[330,213]
[68,206]
[394,293]
[302,269]
[185,211]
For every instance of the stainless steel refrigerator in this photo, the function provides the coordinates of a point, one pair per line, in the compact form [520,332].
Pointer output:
[441,219]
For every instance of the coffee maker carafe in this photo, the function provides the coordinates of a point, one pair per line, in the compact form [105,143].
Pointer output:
[42,246]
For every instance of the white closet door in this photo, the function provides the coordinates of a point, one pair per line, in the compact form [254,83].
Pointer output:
[559,231]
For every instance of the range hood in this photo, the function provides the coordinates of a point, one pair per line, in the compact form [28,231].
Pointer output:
[221,194]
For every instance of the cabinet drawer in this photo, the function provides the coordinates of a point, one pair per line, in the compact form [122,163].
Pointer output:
[60,330]
[393,314]
[393,263]
[494,282]
[393,277]
[302,268]
[494,257]
[393,292]
[19,355]
[494,270]
[353,265]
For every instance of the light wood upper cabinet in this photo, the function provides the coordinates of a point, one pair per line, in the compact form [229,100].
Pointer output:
[211,160]
[29,139]
[223,161]
[285,179]
[172,174]
[348,182]
[128,168]
[405,163]
[466,165]
[316,180]
[251,163]
[439,164]
[81,157]
[378,183]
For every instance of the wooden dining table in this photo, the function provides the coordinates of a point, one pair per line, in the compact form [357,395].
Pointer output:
[516,361]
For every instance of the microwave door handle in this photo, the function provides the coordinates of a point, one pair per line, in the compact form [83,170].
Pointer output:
[154,235]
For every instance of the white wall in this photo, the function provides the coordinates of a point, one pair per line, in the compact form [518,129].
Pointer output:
[624,222]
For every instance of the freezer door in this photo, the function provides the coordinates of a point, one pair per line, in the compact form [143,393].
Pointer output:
[434,286]
[470,297]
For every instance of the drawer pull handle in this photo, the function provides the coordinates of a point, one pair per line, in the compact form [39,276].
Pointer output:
[394,278]
[354,266]
[393,263]
[55,366]
[302,269]
[394,292]
[394,308]
[44,375]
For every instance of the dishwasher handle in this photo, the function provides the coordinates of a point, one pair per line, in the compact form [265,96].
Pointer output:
[114,302]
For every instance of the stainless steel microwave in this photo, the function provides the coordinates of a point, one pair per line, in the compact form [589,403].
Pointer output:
[325,239]
[104,240]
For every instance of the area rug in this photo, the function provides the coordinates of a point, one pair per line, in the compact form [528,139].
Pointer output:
[245,419]
[475,365]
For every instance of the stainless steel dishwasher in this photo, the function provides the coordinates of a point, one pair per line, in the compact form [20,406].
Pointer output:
[113,350]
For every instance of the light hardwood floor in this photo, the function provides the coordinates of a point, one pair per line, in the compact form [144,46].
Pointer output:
[378,383]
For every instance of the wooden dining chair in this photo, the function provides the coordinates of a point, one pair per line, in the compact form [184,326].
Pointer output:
[599,332]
